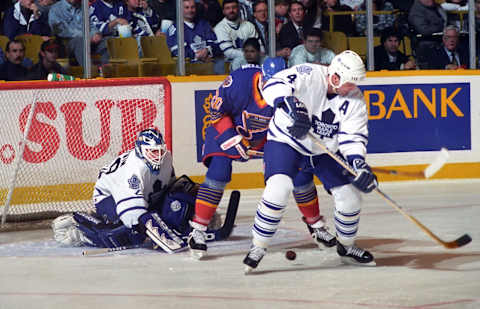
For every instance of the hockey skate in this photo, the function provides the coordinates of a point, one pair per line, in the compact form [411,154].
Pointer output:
[253,257]
[197,244]
[355,256]
[322,238]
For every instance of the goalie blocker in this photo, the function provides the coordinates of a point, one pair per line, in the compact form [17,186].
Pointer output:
[165,223]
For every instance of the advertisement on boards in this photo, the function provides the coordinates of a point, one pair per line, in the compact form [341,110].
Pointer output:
[402,117]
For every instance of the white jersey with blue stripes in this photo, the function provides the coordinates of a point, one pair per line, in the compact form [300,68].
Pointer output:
[129,181]
[339,122]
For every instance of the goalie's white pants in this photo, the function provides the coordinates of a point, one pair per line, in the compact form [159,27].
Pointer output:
[271,209]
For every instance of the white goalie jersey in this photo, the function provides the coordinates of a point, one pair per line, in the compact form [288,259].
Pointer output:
[339,122]
[130,182]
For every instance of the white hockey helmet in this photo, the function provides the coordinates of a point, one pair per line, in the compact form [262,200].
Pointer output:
[348,66]
[151,148]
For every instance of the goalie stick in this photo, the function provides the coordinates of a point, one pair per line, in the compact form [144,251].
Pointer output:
[220,234]
[459,242]
[428,172]
[108,250]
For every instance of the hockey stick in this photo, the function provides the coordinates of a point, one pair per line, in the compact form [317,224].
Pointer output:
[459,242]
[98,251]
[428,172]
[227,227]
[398,173]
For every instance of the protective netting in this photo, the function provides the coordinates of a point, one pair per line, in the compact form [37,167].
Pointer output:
[74,131]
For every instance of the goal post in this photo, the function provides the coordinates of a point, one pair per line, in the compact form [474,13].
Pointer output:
[57,135]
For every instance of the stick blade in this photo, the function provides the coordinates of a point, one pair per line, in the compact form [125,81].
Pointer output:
[460,242]
[437,163]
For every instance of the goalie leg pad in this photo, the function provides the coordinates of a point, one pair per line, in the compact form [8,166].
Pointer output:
[66,232]
[159,232]
[100,234]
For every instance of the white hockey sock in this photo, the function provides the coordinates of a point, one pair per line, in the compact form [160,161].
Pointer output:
[346,226]
[347,213]
[271,208]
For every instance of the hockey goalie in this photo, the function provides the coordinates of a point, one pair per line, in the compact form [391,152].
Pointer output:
[138,197]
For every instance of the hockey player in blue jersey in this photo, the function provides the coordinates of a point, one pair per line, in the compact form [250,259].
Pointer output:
[239,123]
[322,103]
[135,197]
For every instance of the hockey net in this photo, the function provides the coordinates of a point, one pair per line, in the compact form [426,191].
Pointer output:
[57,135]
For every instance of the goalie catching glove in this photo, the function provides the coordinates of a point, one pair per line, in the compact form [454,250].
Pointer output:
[365,181]
[298,112]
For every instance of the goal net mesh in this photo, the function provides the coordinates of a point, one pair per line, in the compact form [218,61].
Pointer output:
[73,131]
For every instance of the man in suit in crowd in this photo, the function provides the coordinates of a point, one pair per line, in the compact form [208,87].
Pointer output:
[292,33]
[449,55]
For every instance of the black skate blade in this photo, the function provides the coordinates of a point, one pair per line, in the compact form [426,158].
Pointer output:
[350,261]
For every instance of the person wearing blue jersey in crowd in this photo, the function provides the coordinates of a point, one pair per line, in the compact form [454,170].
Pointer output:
[142,19]
[239,122]
[106,16]
[200,40]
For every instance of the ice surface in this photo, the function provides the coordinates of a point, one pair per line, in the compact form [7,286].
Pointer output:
[412,270]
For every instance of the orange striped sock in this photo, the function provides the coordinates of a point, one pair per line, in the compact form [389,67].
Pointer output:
[307,202]
[206,204]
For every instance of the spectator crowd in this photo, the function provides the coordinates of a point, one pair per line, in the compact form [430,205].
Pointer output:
[235,32]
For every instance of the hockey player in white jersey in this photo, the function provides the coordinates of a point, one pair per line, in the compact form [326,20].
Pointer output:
[136,196]
[314,102]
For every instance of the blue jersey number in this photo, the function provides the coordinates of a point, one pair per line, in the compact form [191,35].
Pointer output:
[112,168]
[292,78]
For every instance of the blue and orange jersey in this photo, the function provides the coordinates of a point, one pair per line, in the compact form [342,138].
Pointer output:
[239,98]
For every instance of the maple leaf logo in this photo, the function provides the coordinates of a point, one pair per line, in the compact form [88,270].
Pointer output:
[325,127]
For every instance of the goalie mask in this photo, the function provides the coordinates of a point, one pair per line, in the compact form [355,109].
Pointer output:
[151,148]
[348,66]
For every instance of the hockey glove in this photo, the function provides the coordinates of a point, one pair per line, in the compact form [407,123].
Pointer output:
[301,120]
[233,144]
[365,181]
